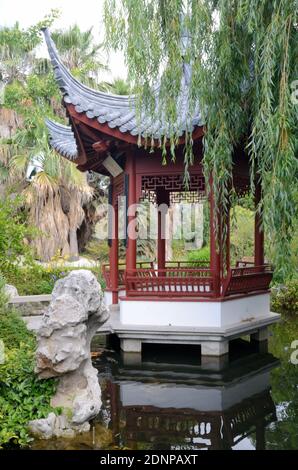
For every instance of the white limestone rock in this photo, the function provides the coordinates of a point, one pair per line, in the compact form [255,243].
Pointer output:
[10,291]
[43,427]
[56,426]
[74,315]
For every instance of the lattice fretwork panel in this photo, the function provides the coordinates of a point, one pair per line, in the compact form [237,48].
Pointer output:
[149,196]
[172,183]
[187,197]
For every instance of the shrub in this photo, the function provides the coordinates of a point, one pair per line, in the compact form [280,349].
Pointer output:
[285,299]
[199,255]
[22,396]
[13,232]
[36,279]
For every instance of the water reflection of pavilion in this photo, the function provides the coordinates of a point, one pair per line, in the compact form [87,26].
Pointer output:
[154,406]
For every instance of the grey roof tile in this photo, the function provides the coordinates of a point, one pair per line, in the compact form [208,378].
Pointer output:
[62,139]
[120,111]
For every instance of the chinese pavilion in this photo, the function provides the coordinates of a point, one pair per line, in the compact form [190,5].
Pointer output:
[161,301]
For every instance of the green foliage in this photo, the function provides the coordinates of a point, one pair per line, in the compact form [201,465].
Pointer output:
[244,67]
[280,277]
[199,255]
[242,233]
[37,279]
[80,53]
[22,396]
[117,87]
[283,433]
[285,299]
[13,231]
[31,99]
[32,94]
[246,201]
[97,250]
[178,247]
[16,46]
[15,95]
[206,223]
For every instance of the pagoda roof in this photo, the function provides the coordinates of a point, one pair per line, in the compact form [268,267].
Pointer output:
[62,139]
[117,111]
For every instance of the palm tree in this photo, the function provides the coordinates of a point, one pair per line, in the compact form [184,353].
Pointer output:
[80,53]
[55,192]
[118,86]
[55,196]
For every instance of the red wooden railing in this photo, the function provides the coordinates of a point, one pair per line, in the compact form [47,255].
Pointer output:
[169,282]
[247,279]
[105,268]
[189,279]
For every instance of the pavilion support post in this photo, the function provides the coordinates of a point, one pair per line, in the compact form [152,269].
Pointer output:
[162,201]
[161,243]
[215,245]
[114,248]
[228,241]
[131,250]
[259,233]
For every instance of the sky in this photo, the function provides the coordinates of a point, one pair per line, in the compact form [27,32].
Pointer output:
[86,14]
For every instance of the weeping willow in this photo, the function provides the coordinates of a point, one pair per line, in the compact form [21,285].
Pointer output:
[244,60]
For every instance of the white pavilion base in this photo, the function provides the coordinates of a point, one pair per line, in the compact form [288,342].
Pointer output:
[209,324]
[194,313]
[108,296]
[214,342]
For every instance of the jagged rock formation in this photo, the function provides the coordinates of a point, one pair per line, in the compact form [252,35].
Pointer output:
[75,313]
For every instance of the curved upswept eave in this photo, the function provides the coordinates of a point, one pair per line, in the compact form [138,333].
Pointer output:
[62,139]
[68,82]
[119,111]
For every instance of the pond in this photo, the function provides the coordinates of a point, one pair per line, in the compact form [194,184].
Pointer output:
[171,401]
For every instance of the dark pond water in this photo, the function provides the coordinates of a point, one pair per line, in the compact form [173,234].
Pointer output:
[171,401]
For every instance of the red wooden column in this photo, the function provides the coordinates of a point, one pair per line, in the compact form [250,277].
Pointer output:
[228,240]
[163,200]
[131,250]
[259,233]
[215,252]
[114,248]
